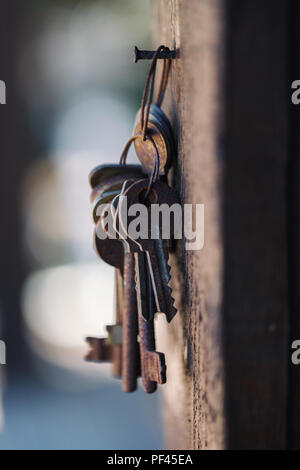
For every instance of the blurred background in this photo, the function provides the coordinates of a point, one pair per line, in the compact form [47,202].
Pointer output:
[72,94]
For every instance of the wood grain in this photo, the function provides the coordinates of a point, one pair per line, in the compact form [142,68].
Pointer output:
[227,351]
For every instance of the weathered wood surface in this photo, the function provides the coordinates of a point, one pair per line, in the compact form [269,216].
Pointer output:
[227,351]
[294,231]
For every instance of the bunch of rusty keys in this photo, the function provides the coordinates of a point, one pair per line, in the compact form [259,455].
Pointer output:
[106,181]
[142,273]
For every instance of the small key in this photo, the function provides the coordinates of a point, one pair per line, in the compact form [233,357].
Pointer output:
[156,249]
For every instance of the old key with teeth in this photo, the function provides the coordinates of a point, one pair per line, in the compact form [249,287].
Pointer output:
[153,368]
[154,246]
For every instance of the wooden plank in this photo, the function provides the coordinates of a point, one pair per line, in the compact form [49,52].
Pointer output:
[229,107]
[294,232]
[194,399]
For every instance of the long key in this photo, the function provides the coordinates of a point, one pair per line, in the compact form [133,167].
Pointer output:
[153,367]
[111,252]
[130,351]
[139,258]
[156,249]
[130,356]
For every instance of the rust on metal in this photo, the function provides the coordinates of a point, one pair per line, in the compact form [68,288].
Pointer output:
[100,350]
[153,366]
[145,149]
[130,355]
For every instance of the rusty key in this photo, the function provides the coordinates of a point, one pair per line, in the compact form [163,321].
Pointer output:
[130,356]
[153,365]
[130,350]
[131,247]
[156,249]
[153,368]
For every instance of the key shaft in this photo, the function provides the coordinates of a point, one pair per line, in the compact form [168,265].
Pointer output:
[130,327]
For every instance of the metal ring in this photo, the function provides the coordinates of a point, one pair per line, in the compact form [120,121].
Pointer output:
[147,95]
[163,81]
[155,172]
[126,149]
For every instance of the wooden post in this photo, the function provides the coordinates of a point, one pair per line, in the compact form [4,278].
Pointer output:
[227,350]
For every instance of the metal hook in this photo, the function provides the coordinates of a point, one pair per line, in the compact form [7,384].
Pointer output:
[148,55]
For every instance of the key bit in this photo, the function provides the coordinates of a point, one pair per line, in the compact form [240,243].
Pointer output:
[153,366]
[100,350]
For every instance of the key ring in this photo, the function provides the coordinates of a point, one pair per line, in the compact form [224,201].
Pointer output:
[145,111]
[155,172]
[148,92]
